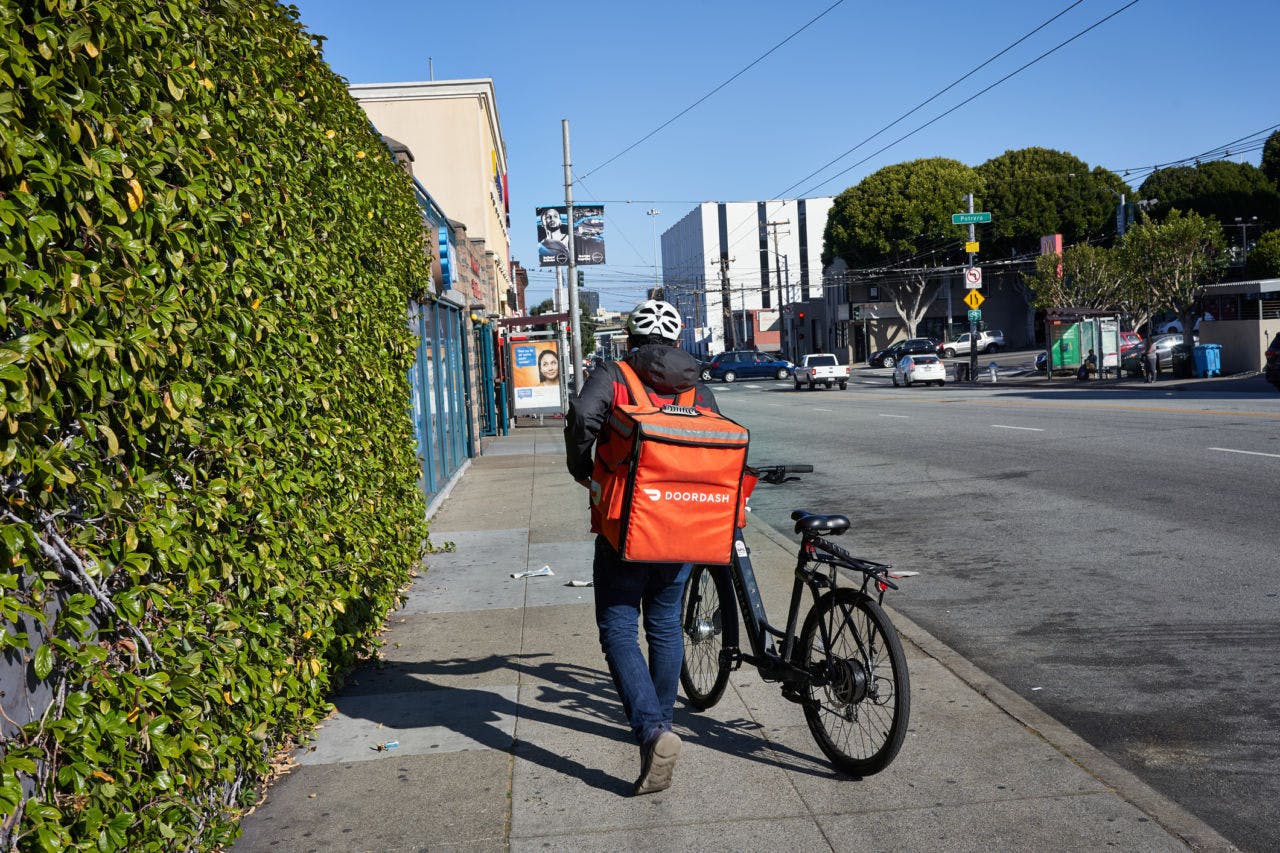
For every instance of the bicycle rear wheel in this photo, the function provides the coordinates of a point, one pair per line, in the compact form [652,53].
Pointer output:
[858,701]
[710,620]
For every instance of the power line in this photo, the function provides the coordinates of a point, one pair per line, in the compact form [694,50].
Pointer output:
[973,97]
[932,97]
[753,63]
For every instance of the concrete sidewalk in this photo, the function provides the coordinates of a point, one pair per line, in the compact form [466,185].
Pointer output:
[510,736]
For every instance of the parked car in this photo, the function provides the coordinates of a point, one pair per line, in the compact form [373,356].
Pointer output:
[1129,339]
[990,341]
[1272,372]
[889,356]
[921,367]
[1131,359]
[748,364]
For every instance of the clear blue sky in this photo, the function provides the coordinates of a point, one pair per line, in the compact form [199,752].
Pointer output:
[1161,81]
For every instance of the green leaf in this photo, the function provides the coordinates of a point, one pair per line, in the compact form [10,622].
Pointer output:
[43,663]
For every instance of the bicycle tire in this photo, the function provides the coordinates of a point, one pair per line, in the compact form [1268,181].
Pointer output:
[859,703]
[709,621]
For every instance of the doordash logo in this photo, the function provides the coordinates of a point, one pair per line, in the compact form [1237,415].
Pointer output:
[686,497]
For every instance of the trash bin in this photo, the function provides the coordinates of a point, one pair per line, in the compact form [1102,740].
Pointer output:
[1208,360]
[962,371]
[1182,362]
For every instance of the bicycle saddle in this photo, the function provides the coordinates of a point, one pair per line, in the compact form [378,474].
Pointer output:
[821,525]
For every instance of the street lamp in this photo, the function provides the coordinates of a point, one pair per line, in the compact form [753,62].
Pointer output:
[653,214]
[1245,225]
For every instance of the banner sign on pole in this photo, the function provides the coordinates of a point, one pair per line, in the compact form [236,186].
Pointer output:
[553,235]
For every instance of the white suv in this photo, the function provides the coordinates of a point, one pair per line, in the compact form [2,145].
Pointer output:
[989,341]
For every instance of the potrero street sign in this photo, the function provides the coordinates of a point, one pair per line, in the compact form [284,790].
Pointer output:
[970,218]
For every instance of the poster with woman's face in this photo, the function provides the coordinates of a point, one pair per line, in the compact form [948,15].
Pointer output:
[536,371]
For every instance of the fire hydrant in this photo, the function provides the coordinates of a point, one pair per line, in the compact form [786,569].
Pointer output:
[993,369]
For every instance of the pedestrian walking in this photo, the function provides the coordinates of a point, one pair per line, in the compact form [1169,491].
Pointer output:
[1151,361]
[626,591]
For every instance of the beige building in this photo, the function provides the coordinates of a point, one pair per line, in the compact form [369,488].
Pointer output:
[452,129]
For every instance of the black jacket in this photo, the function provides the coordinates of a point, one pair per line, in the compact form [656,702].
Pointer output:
[665,370]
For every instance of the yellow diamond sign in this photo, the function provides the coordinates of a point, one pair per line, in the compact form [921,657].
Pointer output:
[974,299]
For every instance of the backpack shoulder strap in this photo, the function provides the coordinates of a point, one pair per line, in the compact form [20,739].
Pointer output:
[640,393]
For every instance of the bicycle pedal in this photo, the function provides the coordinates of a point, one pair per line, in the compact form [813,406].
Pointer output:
[731,658]
[792,694]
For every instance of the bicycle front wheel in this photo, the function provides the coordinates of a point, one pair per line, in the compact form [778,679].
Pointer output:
[709,621]
[858,700]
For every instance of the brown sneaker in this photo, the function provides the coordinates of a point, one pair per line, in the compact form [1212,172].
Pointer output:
[659,763]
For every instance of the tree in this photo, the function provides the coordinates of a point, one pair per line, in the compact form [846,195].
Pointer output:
[1170,262]
[1220,189]
[1271,159]
[1264,257]
[1034,192]
[897,222]
[1086,276]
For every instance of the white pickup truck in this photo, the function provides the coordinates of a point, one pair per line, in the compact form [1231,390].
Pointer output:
[820,368]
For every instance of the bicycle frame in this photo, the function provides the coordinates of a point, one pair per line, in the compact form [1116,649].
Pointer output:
[761,634]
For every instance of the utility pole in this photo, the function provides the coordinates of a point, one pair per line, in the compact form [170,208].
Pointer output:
[730,333]
[777,274]
[574,325]
[657,278]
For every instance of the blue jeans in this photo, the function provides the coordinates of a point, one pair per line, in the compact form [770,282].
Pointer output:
[623,591]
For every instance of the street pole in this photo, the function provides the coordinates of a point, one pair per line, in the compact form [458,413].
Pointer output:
[574,325]
[973,324]
[562,343]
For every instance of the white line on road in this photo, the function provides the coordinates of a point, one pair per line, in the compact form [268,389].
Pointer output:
[883,415]
[1246,452]
[816,409]
[1005,426]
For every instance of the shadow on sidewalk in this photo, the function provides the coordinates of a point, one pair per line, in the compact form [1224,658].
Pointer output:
[572,698]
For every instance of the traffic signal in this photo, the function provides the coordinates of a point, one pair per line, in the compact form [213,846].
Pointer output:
[857,312]
[582,279]
[801,315]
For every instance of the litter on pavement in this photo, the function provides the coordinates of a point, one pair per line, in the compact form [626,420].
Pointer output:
[544,572]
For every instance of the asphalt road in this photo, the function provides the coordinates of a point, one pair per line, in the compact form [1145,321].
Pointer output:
[1109,554]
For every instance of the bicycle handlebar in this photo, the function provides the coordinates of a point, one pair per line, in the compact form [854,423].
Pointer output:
[778,473]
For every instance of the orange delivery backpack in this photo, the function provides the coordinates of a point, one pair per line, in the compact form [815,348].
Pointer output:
[667,483]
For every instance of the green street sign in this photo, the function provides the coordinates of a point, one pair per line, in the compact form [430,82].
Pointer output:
[969,218]
[975,315]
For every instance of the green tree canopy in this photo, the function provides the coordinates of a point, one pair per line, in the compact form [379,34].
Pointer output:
[1271,159]
[900,216]
[1169,262]
[1220,189]
[1032,192]
[1264,257]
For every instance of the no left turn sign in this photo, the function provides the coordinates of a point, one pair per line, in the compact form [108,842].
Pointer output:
[973,278]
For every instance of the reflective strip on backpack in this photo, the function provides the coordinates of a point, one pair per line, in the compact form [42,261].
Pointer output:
[725,438]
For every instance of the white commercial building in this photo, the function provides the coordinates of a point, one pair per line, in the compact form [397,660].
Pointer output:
[733,268]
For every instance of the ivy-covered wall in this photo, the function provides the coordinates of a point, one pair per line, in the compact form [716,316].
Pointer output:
[209,481]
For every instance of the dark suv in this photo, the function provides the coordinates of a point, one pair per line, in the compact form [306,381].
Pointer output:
[889,356]
[1273,362]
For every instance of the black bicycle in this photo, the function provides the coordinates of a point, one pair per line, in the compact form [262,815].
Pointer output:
[846,667]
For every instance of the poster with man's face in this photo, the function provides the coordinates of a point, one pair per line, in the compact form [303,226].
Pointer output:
[553,237]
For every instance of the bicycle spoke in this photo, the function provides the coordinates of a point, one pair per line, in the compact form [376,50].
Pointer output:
[853,706]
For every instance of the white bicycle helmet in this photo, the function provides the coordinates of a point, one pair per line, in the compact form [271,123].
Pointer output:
[655,317]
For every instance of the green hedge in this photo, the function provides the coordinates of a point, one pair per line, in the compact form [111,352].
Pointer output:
[209,474]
